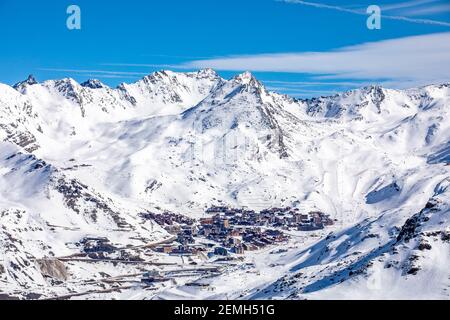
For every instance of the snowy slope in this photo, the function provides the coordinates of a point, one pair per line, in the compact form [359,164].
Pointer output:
[44,214]
[89,159]
[382,258]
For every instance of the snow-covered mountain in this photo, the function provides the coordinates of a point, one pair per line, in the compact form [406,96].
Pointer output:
[92,159]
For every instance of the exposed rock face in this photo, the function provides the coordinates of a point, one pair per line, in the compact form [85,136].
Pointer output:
[21,86]
[93,84]
[53,268]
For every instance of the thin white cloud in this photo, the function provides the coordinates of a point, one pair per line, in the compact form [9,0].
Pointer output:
[173,56]
[98,72]
[151,65]
[106,76]
[406,4]
[103,72]
[415,60]
[429,10]
[313,83]
[298,92]
[361,12]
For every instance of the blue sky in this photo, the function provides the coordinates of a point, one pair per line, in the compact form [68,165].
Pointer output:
[295,47]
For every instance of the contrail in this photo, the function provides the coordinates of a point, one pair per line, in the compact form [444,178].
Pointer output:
[363,13]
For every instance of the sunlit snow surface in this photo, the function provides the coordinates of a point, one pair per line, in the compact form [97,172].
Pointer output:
[81,161]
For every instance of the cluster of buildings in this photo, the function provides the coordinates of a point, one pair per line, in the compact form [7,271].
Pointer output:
[96,245]
[237,238]
[168,218]
[231,230]
[315,220]
[281,218]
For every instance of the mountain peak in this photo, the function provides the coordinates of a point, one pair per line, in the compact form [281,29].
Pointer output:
[202,73]
[157,76]
[372,88]
[93,84]
[162,73]
[246,78]
[29,81]
[66,84]
[207,72]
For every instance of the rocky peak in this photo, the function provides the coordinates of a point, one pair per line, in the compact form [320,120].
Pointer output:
[249,82]
[246,78]
[374,90]
[70,89]
[23,84]
[31,80]
[93,84]
[207,73]
[66,86]
[158,77]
